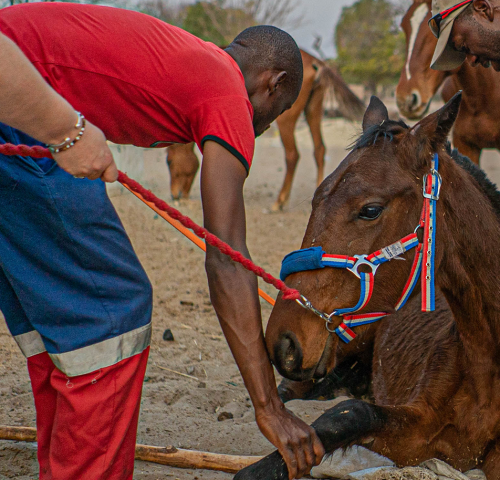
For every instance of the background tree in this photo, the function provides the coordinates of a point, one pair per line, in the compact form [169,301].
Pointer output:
[219,21]
[370,45]
[164,10]
[215,21]
[281,13]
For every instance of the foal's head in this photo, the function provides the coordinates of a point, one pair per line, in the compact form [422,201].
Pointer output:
[373,199]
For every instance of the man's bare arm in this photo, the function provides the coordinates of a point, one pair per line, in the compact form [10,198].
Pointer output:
[234,295]
[29,104]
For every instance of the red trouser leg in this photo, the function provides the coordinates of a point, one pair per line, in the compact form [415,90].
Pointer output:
[40,368]
[87,424]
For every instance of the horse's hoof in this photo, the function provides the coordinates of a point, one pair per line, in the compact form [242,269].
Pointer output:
[271,467]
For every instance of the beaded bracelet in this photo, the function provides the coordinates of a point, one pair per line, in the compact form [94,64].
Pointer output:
[68,142]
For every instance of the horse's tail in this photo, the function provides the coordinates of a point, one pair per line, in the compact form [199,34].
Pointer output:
[349,105]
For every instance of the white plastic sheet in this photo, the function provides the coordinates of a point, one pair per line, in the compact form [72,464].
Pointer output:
[359,463]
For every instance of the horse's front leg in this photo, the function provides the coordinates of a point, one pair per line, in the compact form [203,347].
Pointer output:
[491,464]
[349,422]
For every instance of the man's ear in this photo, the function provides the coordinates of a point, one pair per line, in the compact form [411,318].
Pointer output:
[276,80]
[484,8]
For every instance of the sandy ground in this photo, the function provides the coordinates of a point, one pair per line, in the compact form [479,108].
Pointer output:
[177,410]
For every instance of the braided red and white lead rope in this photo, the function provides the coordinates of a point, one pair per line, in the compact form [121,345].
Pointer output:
[288,293]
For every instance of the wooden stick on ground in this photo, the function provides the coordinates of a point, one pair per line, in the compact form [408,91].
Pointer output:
[171,456]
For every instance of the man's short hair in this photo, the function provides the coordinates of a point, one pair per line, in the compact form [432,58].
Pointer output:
[270,48]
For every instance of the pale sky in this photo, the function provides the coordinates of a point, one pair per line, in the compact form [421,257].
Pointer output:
[320,18]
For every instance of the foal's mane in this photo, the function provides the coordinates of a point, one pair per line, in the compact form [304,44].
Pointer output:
[487,186]
[386,130]
[389,128]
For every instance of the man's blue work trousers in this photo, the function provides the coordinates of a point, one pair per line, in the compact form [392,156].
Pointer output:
[70,282]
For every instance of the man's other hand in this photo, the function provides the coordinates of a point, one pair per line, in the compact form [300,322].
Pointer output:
[90,157]
[296,441]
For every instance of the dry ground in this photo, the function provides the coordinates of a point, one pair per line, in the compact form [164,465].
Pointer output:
[177,410]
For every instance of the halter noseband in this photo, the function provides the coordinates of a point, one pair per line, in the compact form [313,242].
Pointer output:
[315,258]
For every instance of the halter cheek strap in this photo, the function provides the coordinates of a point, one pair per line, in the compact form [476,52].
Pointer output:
[432,186]
[315,258]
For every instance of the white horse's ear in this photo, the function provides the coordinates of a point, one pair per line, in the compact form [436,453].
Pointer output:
[375,114]
[436,127]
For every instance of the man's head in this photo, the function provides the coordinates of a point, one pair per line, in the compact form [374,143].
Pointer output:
[472,31]
[272,67]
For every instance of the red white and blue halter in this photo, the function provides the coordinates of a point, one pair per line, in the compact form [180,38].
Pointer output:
[315,258]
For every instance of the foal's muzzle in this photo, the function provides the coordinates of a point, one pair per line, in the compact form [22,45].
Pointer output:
[288,359]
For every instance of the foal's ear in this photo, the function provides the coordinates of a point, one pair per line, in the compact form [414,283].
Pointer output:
[436,127]
[375,114]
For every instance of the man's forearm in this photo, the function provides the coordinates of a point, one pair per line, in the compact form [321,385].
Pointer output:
[234,296]
[27,102]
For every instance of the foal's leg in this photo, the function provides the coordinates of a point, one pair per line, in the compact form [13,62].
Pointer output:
[491,464]
[347,423]
[314,115]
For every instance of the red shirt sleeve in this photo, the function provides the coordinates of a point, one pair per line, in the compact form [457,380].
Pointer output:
[227,121]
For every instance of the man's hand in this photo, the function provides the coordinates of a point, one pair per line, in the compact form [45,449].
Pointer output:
[296,441]
[90,157]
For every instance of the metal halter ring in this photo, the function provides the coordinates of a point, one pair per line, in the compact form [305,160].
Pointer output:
[326,326]
[362,261]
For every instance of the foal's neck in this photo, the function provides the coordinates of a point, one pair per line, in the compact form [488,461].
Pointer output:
[468,231]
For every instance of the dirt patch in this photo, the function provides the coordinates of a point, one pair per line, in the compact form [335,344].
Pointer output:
[409,473]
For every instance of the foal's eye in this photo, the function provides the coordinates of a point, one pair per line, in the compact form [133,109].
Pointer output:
[370,212]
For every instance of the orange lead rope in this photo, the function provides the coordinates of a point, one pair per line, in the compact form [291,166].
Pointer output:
[187,233]
[175,218]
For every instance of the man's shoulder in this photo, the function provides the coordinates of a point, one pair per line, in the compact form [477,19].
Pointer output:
[96,23]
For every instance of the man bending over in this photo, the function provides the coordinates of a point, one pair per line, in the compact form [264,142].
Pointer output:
[73,293]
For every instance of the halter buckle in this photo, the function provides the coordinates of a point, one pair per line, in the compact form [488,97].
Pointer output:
[438,183]
[362,261]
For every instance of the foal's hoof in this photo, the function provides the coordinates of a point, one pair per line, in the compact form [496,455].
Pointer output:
[272,467]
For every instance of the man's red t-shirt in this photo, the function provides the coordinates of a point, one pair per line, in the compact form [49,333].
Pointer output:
[140,80]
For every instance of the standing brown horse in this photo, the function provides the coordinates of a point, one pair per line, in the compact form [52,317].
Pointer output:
[478,123]
[436,383]
[318,80]
[183,164]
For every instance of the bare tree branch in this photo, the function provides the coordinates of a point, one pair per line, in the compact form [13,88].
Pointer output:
[274,12]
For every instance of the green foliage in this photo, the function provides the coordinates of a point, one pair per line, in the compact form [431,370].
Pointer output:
[370,47]
[160,9]
[215,22]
